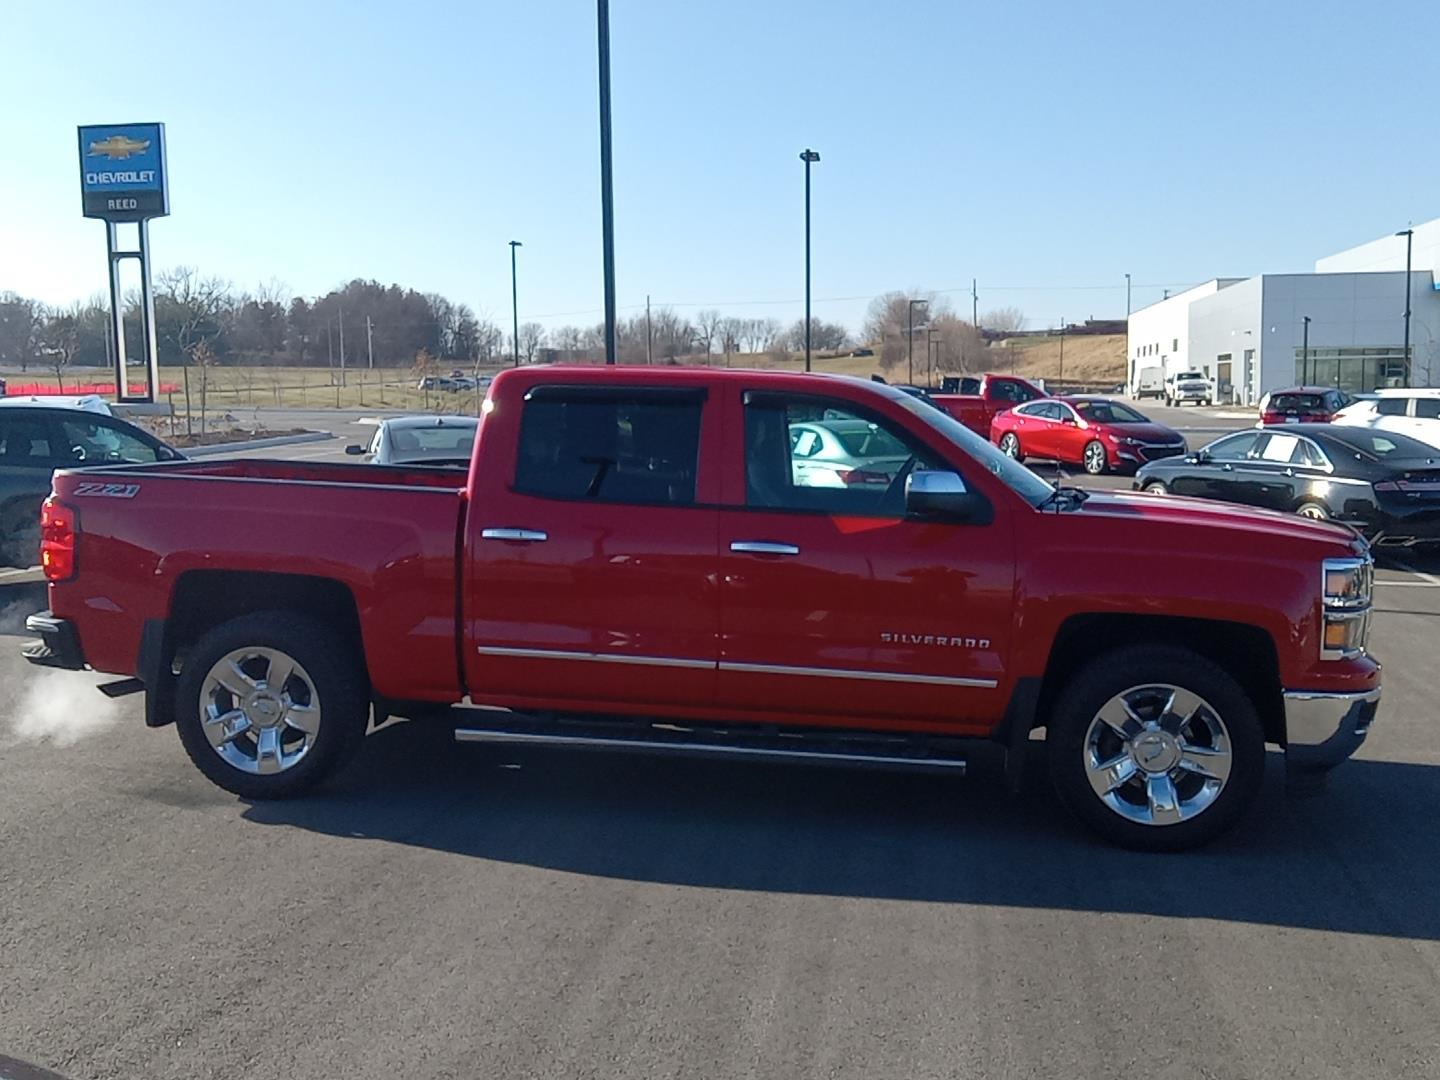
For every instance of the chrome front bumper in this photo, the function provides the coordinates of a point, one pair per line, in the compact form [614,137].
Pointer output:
[1322,730]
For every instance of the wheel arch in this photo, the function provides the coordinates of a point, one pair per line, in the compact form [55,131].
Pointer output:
[204,599]
[1245,651]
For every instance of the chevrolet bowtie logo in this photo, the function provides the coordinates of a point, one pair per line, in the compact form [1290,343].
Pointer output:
[118,147]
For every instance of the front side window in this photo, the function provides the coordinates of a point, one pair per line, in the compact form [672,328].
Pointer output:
[1233,447]
[826,457]
[629,447]
[97,442]
[1391,406]
[1428,408]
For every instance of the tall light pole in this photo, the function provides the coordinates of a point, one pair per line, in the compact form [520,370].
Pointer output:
[1305,354]
[1061,379]
[1127,333]
[607,194]
[515,300]
[910,339]
[808,156]
[1409,235]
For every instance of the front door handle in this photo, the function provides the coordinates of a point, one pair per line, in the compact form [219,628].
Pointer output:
[528,536]
[1228,468]
[763,547]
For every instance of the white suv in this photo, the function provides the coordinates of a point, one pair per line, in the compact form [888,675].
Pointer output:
[1188,386]
[1408,412]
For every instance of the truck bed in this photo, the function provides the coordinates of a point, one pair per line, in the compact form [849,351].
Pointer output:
[159,537]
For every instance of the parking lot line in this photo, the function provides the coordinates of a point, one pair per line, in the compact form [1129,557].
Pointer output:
[1431,579]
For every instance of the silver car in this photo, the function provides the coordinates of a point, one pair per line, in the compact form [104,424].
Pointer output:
[844,453]
[421,440]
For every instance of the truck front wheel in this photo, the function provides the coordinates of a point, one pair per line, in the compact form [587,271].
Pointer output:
[1155,748]
[270,704]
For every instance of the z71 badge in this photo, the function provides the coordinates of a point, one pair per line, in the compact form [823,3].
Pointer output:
[110,491]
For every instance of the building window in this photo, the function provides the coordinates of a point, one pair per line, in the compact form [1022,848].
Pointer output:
[1357,369]
[1175,345]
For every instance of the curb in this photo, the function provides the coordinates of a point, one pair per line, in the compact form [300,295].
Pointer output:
[255,444]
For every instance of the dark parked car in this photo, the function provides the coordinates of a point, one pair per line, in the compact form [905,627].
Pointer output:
[1303,405]
[35,440]
[1385,485]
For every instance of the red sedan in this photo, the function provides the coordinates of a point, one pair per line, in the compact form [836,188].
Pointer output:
[1099,433]
[1303,405]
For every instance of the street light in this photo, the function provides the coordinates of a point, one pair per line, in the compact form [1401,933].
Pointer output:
[807,156]
[607,187]
[515,301]
[1305,354]
[1409,235]
[932,354]
[910,338]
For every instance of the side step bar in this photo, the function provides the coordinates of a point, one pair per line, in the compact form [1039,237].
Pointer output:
[701,742]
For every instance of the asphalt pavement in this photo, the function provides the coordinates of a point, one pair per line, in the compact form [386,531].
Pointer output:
[463,911]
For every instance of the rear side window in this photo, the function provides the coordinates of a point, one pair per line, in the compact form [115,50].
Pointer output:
[24,442]
[1428,407]
[1233,448]
[628,448]
[1391,406]
[96,441]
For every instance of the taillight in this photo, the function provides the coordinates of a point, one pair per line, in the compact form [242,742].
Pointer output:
[853,477]
[58,529]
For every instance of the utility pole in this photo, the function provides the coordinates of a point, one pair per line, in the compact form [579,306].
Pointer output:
[808,156]
[1409,235]
[910,339]
[342,346]
[369,343]
[649,338]
[974,305]
[1305,354]
[607,191]
[515,301]
[1061,379]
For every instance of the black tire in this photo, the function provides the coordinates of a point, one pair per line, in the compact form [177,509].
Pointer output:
[1156,487]
[20,534]
[1131,671]
[1314,509]
[339,683]
[1095,464]
[1010,446]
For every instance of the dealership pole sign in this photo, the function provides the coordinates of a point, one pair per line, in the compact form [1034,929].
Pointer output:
[122,180]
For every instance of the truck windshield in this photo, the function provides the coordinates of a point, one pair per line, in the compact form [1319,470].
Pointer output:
[1011,473]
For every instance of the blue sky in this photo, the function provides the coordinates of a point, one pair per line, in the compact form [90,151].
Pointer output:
[1043,148]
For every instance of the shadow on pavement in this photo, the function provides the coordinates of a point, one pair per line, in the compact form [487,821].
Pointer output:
[1363,857]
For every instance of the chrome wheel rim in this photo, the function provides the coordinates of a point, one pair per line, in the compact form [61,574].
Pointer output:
[1010,445]
[1155,489]
[259,710]
[1310,510]
[1158,754]
[1094,458]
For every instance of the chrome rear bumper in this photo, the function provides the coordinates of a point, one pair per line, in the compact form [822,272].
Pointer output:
[1323,729]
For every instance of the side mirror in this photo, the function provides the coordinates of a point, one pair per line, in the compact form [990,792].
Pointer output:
[1068,421]
[1202,457]
[944,495]
[354,450]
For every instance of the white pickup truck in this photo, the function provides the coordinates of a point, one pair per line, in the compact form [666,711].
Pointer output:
[1190,386]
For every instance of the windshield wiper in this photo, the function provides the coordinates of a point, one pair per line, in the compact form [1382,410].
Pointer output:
[1064,497]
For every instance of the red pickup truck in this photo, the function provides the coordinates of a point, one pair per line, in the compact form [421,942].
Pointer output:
[639,559]
[996,394]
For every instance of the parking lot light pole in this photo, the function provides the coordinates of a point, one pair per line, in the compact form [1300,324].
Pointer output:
[910,336]
[807,156]
[515,301]
[1305,353]
[1409,235]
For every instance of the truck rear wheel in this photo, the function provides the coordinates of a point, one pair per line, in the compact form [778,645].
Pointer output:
[270,704]
[1155,748]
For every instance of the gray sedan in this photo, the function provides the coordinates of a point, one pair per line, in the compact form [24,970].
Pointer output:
[421,440]
[844,453]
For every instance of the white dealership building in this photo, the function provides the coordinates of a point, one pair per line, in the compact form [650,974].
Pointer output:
[1249,335]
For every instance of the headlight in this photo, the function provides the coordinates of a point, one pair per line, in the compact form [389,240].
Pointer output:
[1346,588]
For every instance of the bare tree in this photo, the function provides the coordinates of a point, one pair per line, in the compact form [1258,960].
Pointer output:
[823,336]
[60,340]
[960,347]
[730,330]
[532,336]
[1006,320]
[889,322]
[707,330]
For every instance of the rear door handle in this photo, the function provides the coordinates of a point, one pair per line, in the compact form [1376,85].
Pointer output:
[763,547]
[528,536]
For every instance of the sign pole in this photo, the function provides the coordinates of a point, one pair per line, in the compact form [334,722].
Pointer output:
[147,323]
[117,321]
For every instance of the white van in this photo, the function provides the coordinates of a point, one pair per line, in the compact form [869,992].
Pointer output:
[1149,382]
[1413,412]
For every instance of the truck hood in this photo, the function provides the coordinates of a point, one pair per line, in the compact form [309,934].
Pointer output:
[1209,514]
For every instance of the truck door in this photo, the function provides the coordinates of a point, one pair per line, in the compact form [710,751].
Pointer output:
[834,604]
[592,563]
